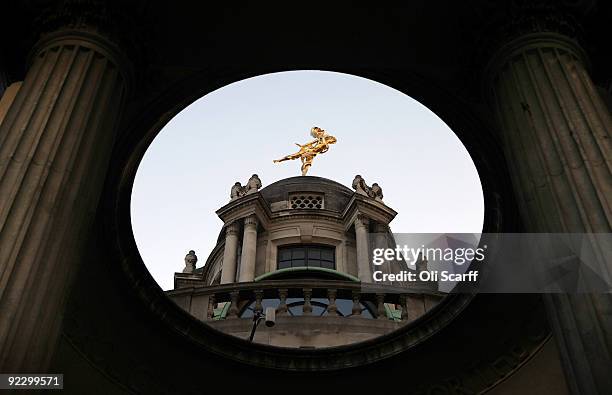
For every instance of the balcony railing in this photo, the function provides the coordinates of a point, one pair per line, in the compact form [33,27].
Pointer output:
[201,301]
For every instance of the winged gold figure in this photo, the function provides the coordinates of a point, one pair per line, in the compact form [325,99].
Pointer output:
[308,151]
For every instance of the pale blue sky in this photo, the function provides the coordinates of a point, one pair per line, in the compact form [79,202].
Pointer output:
[425,172]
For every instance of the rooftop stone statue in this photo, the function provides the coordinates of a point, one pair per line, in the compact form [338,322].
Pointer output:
[190,262]
[252,186]
[360,186]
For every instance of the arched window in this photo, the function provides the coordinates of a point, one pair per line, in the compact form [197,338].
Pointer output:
[307,256]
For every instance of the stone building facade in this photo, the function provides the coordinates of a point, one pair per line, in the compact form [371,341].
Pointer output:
[302,245]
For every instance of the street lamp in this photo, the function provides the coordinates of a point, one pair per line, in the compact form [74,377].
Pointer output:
[269,316]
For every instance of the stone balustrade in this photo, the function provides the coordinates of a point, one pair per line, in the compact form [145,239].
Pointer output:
[201,301]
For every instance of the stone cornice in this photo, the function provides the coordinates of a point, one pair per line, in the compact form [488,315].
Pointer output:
[363,205]
[255,204]
[252,204]
[318,215]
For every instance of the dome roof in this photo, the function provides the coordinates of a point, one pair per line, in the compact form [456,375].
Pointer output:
[336,195]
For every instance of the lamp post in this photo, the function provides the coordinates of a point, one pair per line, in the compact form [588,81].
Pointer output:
[269,316]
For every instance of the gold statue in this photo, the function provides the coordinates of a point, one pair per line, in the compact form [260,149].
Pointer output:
[309,150]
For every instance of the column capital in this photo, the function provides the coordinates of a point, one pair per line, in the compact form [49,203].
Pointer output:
[86,39]
[251,220]
[380,227]
[232,229]
[362,220]
[536,16]
[101,17]
[534,41]
[539,20]
[99,25]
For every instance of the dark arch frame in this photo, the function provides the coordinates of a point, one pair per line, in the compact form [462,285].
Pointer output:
[500,215]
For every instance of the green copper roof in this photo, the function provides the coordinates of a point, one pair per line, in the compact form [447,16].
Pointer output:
[306,269]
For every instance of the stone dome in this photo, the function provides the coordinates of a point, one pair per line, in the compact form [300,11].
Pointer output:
[336,195]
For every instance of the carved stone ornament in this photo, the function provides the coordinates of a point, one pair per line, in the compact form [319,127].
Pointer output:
[362,221]
[190,262]
[237,191]
[252,186]
[360,186]
[251,220]
[232,229]
[375,192]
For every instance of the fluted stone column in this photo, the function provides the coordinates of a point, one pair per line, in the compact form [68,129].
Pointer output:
[556,131]
[55,145]
[249,249]
[228,271]
[380,241]
[363,249]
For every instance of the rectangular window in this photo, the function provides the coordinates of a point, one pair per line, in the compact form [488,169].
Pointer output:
[307,256]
